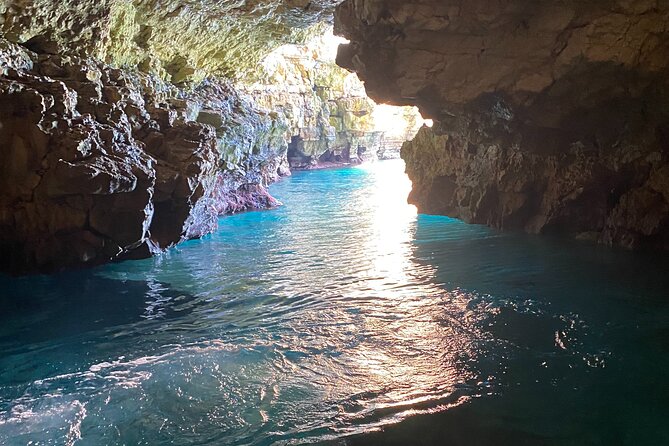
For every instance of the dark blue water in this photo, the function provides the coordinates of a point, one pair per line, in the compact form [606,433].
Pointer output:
[342,317]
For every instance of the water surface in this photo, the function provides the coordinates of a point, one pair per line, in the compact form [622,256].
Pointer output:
[342,317]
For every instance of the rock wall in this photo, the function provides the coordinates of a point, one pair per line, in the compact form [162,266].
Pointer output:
[98,163]
[549,116]
[125,129]
[331,120]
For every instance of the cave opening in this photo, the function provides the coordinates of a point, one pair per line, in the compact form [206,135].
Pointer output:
[332,121]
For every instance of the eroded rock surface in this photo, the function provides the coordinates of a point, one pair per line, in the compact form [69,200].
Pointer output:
[182,41]
[550,116]
[98,163]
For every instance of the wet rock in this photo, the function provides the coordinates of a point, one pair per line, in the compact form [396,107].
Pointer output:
[549,117]
[96,165]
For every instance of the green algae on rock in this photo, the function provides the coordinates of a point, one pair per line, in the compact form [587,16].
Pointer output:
[330,117]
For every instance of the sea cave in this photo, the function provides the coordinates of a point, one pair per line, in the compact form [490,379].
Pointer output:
[334,222]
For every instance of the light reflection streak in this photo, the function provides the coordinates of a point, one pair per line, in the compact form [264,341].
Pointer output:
[407,358]
[340,337]
[327,318]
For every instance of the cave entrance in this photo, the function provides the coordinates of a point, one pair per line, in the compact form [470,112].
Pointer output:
[329,118]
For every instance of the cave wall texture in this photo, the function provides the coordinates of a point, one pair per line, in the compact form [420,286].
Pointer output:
[551,116]
[123,129]
[181,40]
[128,127]
[98,163]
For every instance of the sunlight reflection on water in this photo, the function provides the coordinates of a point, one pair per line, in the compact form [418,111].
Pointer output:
[339,313]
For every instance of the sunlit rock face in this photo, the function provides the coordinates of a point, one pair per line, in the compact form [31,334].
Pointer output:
[329,115]
[98,163]
[550,116]
[181,40]
[330,118]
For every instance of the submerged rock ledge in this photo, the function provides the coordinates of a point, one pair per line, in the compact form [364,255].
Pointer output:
[551,117]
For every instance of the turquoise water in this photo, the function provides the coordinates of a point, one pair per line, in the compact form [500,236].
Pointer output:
[344,318]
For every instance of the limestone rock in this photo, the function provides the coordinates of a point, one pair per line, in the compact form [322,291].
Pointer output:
[183,41]
[330,118]
[99,164]
[549,116]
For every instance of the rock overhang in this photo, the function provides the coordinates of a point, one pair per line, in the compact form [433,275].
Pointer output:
[549,116]
[181,40]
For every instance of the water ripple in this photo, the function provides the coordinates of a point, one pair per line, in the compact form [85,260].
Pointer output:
[339,314]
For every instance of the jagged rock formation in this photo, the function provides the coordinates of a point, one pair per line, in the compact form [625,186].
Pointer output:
[550,116]
[125,158]
[98,163]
